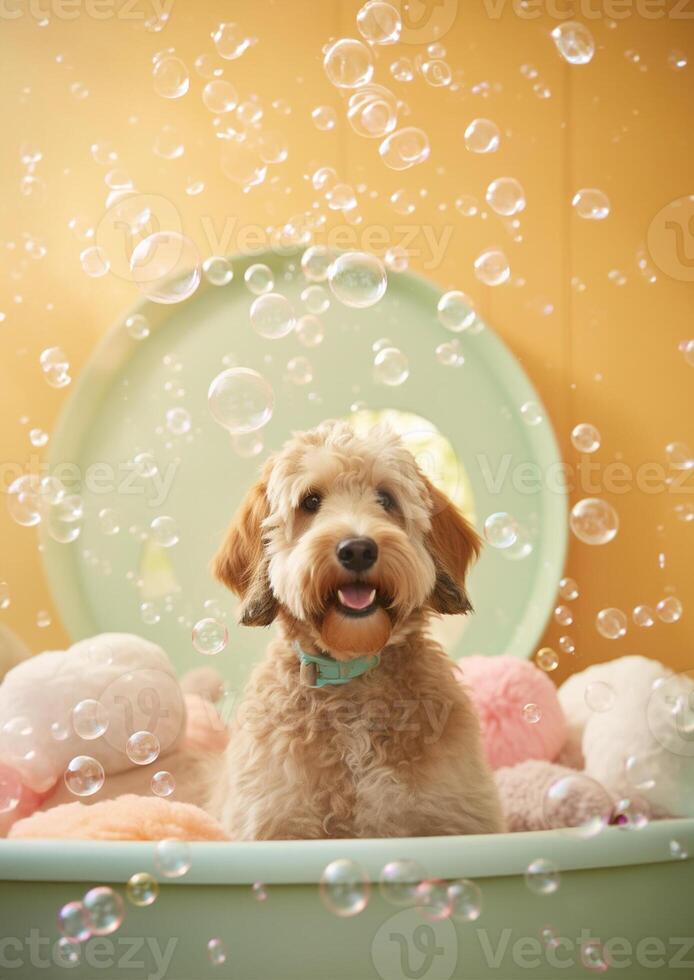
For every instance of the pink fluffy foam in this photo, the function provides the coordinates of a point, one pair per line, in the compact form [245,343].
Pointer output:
[500,688]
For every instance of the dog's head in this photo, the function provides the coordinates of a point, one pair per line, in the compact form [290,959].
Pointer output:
[344,535]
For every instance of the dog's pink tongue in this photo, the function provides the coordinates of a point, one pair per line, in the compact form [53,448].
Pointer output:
[356,596]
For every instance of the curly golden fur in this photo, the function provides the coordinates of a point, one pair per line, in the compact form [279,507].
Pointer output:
[396,751]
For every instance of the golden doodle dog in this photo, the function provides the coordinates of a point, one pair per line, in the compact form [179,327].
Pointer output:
[353,725]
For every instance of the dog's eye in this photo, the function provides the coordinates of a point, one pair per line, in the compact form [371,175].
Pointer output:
[311,503]
[385,500]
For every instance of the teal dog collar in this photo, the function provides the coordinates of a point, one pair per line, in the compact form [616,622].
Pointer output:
[324,671]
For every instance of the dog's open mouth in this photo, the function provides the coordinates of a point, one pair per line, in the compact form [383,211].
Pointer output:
[357,599]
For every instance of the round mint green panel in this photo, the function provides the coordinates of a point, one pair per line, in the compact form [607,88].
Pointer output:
[125,581]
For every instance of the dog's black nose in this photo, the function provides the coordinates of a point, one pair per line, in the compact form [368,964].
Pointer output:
[357,554]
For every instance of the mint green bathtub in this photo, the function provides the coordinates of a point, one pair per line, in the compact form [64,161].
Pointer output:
[623,888]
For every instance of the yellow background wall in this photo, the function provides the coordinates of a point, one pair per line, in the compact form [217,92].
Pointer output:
[606,355]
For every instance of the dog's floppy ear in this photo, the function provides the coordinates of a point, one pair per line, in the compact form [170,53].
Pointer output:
[454,544]
[241,563]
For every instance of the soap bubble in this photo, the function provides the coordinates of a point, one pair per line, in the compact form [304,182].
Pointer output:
[220,96]
[563,615]
[611,623]
[142,889]
[272,316]
[163,783]
[391,366]
[230,41]
[679,456]
[500,530]
[344,888]
[104,909]
[73,922]
[142,748]
[506,196]
[171,79]
[531,413]
[677,60]
[567,645]
[248,445]
[341,197]
[643,616]
[55,367]
[309,330]
[210,636]
[594,521]
[678,850]
[546,659]
[324,118]
[585,437]
[631,813]
[456,311]
[324,178]
[379,22]
[259,891]
[482,136]
[568,589]
[64,518]
[669,610]
[465,900]
[433,901]
[240,161]
[398,881]
[172,858]
[178,421]
[89,719]
[149,613]
[137,326]
[599,696]
[69,952]
[166,267]
[593,957]
[315,298]
[216,952]
[402,70]
[358,279]
[402,202]
[405,148]
[491,267]
[84,776]
[684,512]
[641,771]
[591,204]
[372,111]
[549,937]
[315,263]
[38,438]
[299,370]
[348,63]
[18,738]
[164,531]
[218,271]
[574,42]
[272,147]
[531,713]
[10,790]
[396,259]
[241,400]
[436,73]
[542,877]
[94,261]
[23,501]
[449,354]
[169,146]
[259,279]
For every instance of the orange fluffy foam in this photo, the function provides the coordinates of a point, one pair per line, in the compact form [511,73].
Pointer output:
[128,817]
